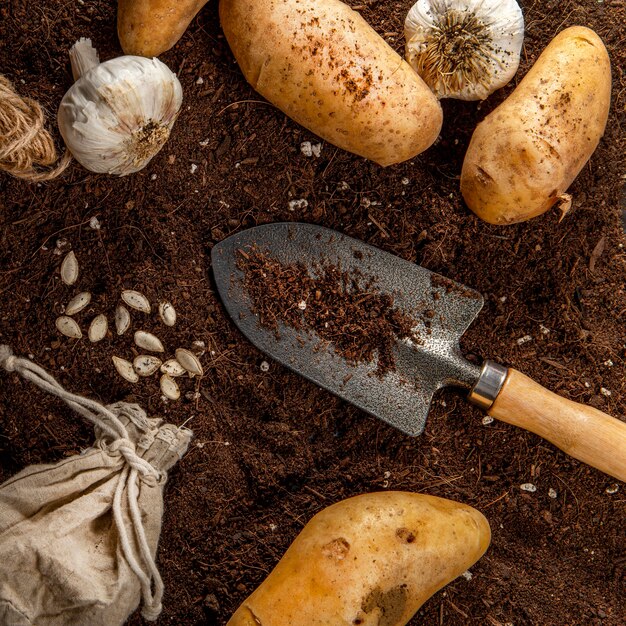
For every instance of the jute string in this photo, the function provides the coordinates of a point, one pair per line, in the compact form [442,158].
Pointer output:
[136,468]
[25,144]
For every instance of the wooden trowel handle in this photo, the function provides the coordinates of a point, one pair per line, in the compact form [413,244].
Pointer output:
[581,431]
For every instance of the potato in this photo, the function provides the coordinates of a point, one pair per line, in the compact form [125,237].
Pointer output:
[372,560]
[150,27]
[324,66]
[527,152]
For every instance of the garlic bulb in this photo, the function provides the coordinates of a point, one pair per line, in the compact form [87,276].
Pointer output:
[464,49]
[118,114]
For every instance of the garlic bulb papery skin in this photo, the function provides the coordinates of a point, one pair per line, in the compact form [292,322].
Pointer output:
[118,114]
[464,49]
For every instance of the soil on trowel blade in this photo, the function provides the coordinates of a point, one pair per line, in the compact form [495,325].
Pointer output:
[270,449]
[340,307]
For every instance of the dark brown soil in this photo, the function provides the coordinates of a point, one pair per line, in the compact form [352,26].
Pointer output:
[270,449]
[342,308]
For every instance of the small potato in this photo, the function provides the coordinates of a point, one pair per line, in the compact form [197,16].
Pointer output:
[148,28]
[527,152]
[371,560]
[324,66]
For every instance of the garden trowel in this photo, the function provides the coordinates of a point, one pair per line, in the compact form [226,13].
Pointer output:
[402,396]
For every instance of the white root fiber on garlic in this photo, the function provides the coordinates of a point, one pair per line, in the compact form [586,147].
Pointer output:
[464,49]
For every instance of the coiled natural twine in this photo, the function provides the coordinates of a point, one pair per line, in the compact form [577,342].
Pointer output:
[25,144]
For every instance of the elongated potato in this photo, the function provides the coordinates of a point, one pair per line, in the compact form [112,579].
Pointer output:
[150,27]
[370,560]
[324,66]
[527,152]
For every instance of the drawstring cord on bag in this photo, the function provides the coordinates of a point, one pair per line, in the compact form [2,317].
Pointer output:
[136,467]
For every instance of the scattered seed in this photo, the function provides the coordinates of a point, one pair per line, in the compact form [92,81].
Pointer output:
[148,341]
[552,493]
[169,387]
[98,328]
[487,420]
[528,487]
[136,300]
[78,303]
[467,575]
[611,489]
[173,368]
[302,305]
[525,339]
[265,366]
[146,364]
[69,269]
[68,327]
[167,313]
[604,391]
[125,369]
[189,361]
[122,319]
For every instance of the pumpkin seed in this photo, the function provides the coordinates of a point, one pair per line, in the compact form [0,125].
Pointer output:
[173,368]
[69,269]
[167,313]
[148,341]
[125,369]
[68,327]
[122,319]
[169,387]
[78,303]
[98,328]
[146,364]
[136,300]
[189,361]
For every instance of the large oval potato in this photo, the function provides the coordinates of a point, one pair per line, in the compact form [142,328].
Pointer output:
[148,28]
[371,560]
[324,66]
[527,152]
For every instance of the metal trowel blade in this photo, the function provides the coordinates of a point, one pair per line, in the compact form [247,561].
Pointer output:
[400,397]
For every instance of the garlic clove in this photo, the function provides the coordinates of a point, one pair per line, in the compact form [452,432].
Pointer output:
[118,114]
[464,49]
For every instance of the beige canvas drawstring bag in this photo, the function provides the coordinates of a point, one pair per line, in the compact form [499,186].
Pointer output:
[78,538]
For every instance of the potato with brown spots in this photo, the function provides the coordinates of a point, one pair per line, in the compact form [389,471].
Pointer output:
[528,151]
[150,27]
[324,66]
[371,560]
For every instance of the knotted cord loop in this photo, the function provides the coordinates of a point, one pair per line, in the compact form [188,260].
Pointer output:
[128,450]
[136,468]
